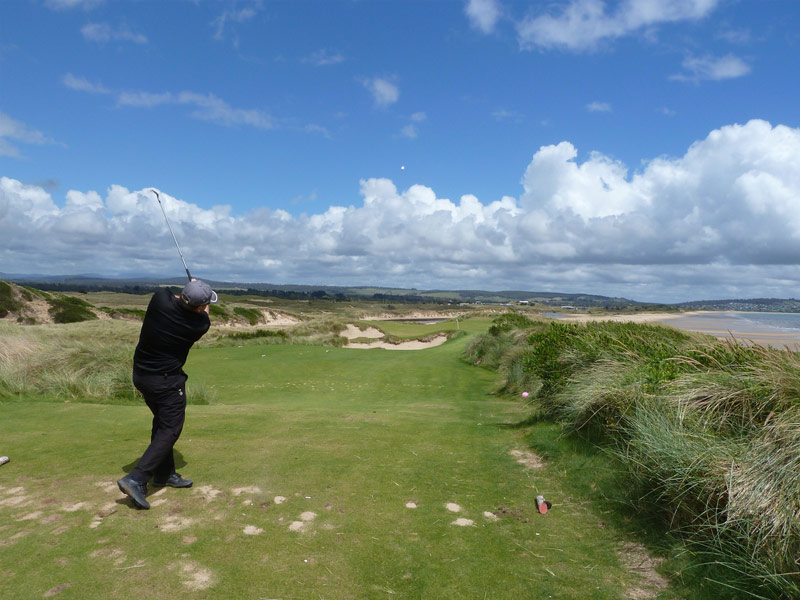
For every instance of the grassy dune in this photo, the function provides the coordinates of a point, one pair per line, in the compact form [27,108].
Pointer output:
[705,431]
[320,472]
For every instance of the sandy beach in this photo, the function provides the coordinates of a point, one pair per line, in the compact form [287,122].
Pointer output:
[717,324]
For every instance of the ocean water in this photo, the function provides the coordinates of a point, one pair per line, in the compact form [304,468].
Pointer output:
[766,329]
[747,322]
[773,329]
[783,322]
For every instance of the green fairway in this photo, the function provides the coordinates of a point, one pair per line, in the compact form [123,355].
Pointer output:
[319,472]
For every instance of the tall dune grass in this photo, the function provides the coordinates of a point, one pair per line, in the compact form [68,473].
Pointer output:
[81,362]
[708,431]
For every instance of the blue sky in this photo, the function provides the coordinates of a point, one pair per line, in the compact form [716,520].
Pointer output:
[636,148]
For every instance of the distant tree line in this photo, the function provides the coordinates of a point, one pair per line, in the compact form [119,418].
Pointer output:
[272,293]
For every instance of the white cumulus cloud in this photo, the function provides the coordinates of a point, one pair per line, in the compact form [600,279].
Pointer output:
[580,25]
[722,220]
[13,132]
[70,4]
[383,91]
[483,14]
[103,32]
[207,107]
[598,107]
[712,68]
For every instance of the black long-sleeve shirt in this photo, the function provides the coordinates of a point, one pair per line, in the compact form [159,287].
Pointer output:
[168,333]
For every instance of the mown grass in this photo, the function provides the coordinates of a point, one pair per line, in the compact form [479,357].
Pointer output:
[349,435]
[706,432]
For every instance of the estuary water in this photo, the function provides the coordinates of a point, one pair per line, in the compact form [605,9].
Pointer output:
[772,329]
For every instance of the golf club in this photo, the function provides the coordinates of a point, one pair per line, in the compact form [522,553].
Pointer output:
[189,275]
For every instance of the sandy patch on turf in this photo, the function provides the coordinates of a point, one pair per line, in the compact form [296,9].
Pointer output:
[56,590]
[453,507]
[193,576]
[14,538]
[461,522]
[108,552]
[253,530]
[636,559]
[279,499]
[411,505]
[175,523]
[305,519]
[490,516]
[14,497]
[30,516]
[246,490]
[527,459]
[208,492]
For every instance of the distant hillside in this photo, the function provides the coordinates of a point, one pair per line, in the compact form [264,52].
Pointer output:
[88,283]
[746,305]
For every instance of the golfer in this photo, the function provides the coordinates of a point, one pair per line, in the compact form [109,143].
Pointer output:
[171,326]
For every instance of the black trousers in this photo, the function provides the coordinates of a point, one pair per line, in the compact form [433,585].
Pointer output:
[165,395]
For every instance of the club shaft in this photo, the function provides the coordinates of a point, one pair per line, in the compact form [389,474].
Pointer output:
[174,239]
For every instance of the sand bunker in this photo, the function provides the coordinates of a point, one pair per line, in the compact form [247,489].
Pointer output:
[352,332]
[409,345]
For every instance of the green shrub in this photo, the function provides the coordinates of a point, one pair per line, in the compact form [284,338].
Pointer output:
[258,333]
[509,321]
[39,293]
[7,302]
[66,309]
[219,311]
[252,315]
[116,313]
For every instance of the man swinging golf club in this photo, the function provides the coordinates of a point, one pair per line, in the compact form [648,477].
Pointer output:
[172,324]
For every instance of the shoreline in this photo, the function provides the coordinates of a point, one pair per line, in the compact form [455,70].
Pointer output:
[708,322]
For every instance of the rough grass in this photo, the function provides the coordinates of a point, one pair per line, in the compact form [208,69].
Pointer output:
[83,362]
